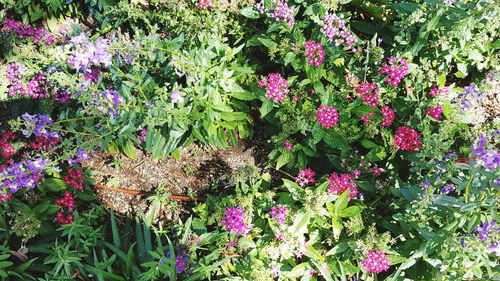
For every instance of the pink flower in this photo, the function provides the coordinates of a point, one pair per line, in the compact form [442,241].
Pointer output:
[407,139]
[365,119]
[377,171]
[334,28]
[339,183]
[395,70]
[389,116]
[369,93]
[288,145]
[376,262]
[314,53]
[279,213]
[283,13]
[276,87]
[328,116]
[305,177]
[205,4]
[435,112]
[356,173]
[234,221]
[438,91]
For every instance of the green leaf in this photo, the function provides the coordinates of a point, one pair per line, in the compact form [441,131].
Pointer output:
[129,150]
[250,12]
[350,212]
[53,184]
[245,243]
[342,201]
[266,107]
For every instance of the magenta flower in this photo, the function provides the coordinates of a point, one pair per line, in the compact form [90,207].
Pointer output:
[407,139]
[375,262]
[279,213]
[143,132]
[234,221]
[435,112]
[276,87]
[389,116]
[395,70]
[339,183]
[369,93]
[314,53]
[327,116]
[288,145]
[305,177]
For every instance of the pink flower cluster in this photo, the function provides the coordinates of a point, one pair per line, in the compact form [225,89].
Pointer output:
[288,145]
[279,213]
[305,177]
[376,262]
[435,112]
[334,28]
[205,4]
[24,30]
[276,87]
[6,149]
[369,93]
[407,139]
[389,116]
[339,183]
[67,202]
[435,91]
[314,53]
[366,118]
[234,221]
[395,70]
[282,12]
[327,116]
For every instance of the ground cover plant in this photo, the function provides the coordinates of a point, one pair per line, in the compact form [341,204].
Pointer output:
[249,140]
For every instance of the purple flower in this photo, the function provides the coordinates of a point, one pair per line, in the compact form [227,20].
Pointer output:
[279,213]
[425,184]
[38,125]
[335,29]
[81,155]
[108,102]
[86,54]
[143,132]
[61,96]
[447,189]
[180,260]
[494,248]
[488,158]
[487,229]
[281,12]
[23,175]
[234,221]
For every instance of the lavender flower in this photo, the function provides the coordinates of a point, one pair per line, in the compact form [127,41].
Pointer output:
[335,29]
[38,125]
[176,97]
[23,175]
[487,230]
[81,155]
[86,54]
[108,102]
[447,189]
[488,158]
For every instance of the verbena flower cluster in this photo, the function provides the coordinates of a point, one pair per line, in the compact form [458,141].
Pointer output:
[305,177]
[395,69]
[335,29]
[67,204]
[75,179]
[85,54]
[279,213]
[375,262]
[6,149]
[280,12]
[23,30]
[276,87]
[339,183]
[369,93]
[435,91]
[435,112]
[288,145]
[314,53]
[37,88]
[234,221]
[327,116]
[388,116]
[485,154]
[205,4]
[407,139]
